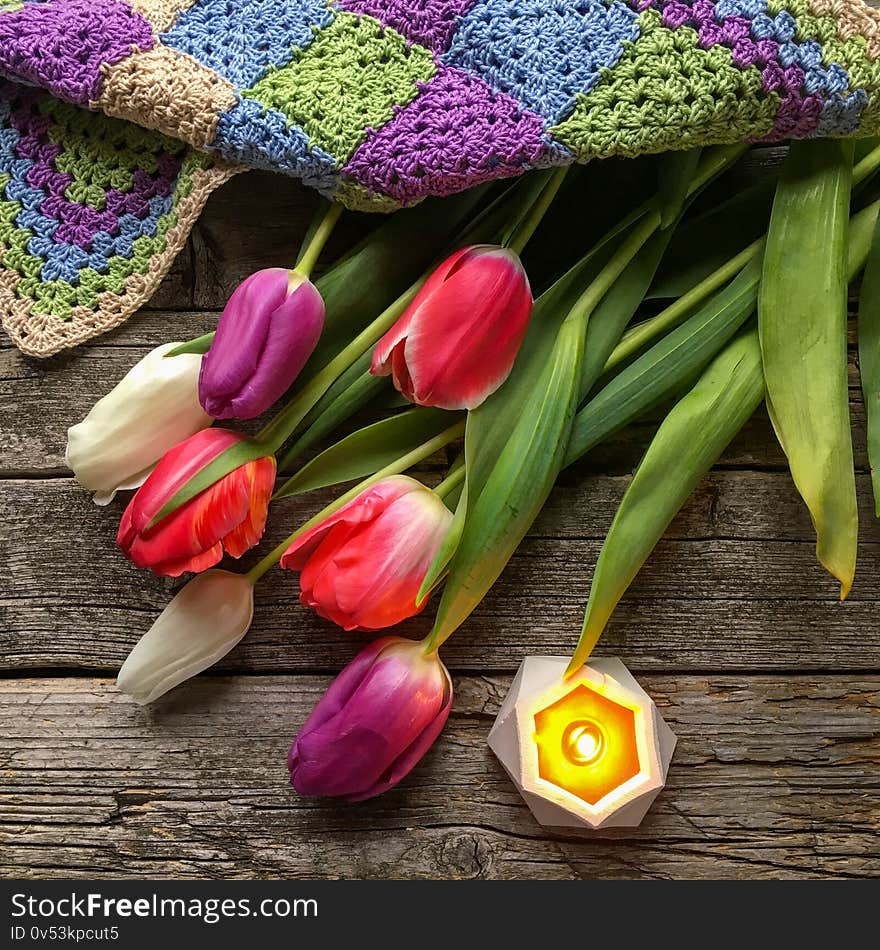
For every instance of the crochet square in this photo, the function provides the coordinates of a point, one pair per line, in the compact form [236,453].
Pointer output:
[264,138]
[240,39]
[669,93]
[161,13]
[458,132]
[542,52]
[77,222]
[429,22]
[63,46]
[349,79]
[169,91]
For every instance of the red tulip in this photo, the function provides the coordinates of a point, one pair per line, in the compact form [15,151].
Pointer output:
[362,567]
[456,342]
[229,516]
[375,722]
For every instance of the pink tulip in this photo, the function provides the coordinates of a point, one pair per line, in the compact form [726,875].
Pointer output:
[227,517]
[375,722]
[362,567]
[267,331]
[456,342]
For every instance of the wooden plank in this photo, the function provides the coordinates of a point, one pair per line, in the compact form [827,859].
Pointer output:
[60,391]
[773,777]
[734,586]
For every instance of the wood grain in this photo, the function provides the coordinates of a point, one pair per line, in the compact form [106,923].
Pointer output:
[735,585]
[773,777]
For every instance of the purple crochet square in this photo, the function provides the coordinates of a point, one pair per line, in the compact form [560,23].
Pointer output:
[456,133]
[62,45]
[430,23]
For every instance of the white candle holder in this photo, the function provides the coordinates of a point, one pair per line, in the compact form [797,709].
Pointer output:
[587,750]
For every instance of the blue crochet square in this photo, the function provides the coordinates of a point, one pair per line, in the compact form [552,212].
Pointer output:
[265,138]
[240,39]
[542,52]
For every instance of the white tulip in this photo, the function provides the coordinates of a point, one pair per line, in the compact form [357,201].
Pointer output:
[199,627]
[120,441]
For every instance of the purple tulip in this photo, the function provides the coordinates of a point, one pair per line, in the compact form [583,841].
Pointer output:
[375,722]
[267,331]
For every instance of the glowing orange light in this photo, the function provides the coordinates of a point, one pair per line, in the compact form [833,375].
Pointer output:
[587,744]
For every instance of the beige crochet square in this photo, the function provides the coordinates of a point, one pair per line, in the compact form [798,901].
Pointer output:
[168,91]
[160,13]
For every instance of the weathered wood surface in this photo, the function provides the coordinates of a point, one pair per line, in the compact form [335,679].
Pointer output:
[769,681]
[773,776]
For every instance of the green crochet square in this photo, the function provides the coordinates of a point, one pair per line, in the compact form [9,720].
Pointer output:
[348,80]
[666,92]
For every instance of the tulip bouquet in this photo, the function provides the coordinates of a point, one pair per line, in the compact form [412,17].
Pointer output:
[688,300]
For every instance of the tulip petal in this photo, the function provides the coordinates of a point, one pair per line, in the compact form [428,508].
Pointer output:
[232,512]
[462,344]
[241,334]
[404,764]
[343,687]
[294,329]
[206,619]
[175,468]
[153,408]
[378,572]
[363,508]
[391,709]
[382,353]
[261,478]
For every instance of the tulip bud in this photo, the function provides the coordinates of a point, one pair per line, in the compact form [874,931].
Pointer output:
[201,625]
[362,567]
[455,344]
[229,516]
[267,331]
[127,431]
[374,723]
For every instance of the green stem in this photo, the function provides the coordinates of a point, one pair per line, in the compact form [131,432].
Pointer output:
[866,167]
[199,345]
[524,229]
[418,454]
[278,430]
[603,281]
[309,258]
[451,482]
[636,337]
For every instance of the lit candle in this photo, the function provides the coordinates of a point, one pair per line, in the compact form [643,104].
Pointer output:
[588,750]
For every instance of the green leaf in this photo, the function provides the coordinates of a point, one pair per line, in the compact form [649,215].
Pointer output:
[517,482]
[608,321]
[687,444]
[675,172]
[369,449]
[705,242]
[200,345]
[490,426]
[802,312]
[359,393]
[869,359]
[668,365]
[860,239]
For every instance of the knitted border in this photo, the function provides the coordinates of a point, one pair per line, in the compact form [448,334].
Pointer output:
[43,335]
[854,18]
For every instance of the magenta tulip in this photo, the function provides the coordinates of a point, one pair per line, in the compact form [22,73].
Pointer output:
[456,342]
[375,722]
[267,331]
[362,567]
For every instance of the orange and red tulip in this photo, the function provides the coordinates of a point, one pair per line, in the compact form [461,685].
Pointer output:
[227,517]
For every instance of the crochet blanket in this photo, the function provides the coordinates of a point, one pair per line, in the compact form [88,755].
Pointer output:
[121,116]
